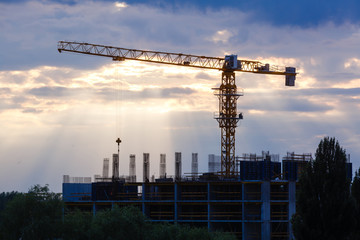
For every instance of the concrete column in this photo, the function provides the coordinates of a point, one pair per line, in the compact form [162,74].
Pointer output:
[208,203]
[176,202]
[243,209]
[94,209]
[143,192]
[265,211]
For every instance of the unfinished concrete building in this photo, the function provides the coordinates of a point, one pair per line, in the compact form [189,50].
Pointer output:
[256,205]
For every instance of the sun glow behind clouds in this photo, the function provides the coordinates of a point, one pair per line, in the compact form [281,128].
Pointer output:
[158,88]
[222,36]
[83,101]
[120,5]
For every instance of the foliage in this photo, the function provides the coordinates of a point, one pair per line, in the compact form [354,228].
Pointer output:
[38,214]
[5,197]
[130,223]
[167,231]
[355,192]
[324,204]
[355,188]
[76,225]
[119,223]
[35,215]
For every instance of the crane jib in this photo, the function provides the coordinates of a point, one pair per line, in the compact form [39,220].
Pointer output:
[230,62]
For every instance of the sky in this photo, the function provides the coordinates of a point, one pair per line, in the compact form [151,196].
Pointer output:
[62,112]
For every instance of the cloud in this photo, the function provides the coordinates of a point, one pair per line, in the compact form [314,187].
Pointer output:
[304,13]
[6,105]
[284,104]
[59,101]
[109,94]
[50,92]
[171,92]
[121,5]
[352,63]
[331,91]
[32,110]
[203,75]
[222,36]
[4,91]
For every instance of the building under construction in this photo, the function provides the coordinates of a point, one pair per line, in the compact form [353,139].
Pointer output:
[257,204]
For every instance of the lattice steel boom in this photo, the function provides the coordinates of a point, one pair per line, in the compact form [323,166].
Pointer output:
[227,93]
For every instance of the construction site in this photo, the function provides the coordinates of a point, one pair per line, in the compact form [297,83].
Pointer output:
[250,195]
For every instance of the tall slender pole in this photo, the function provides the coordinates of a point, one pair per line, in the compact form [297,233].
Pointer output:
[118,141]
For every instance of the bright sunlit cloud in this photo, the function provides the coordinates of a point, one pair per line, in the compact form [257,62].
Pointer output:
[121,5]
[222,36]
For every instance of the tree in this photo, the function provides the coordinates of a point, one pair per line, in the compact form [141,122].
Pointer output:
[35,215]
[38,214]
[77,225]
[324,204]
[5,197]
[355,192]
[130,223]
[119,223]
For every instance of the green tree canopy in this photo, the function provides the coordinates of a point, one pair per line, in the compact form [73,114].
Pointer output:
[355,192]
[34,215]
[325,209]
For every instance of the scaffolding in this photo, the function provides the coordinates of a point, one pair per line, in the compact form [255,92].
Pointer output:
[259,167]
[294,164]
[69,179]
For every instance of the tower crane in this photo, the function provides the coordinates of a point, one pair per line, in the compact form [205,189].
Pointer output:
[227,92]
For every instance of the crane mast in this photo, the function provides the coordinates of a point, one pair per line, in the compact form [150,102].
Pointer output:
[227,92]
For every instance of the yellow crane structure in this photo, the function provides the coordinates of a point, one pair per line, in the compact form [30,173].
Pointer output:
[227,92]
